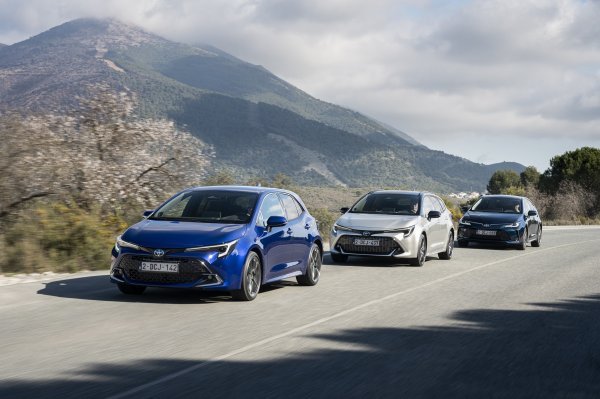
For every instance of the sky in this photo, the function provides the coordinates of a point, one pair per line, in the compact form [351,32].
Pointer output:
[491,81]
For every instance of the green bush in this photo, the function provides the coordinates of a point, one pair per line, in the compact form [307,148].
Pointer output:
[59,237]
[325,220]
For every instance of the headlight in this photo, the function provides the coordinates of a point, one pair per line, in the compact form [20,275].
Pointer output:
[223,249]
[513,225]
[407,231]
[336,227]
[465,222]
[124,244]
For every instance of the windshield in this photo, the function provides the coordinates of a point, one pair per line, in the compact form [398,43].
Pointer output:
[388,203]
[209,207]
[498,205]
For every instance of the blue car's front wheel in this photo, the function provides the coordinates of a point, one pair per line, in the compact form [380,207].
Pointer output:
[251,279]
[313,267]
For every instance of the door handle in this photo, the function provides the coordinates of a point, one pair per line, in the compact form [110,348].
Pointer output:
[289,231]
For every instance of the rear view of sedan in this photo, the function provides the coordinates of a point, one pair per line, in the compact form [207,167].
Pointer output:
[220,238]
[501,219]
[394,224]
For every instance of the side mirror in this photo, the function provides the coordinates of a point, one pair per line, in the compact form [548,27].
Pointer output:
[465,208]
[434,214]
[147,213]
[532,213]
[276,221]
[344,210]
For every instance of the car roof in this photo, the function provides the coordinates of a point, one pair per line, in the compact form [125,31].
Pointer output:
[400,192]
[250,189]
[502,196]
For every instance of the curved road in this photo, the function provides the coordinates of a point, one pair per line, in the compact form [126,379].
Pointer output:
[490,323]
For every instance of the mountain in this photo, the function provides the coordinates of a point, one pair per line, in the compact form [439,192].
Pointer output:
[259,124]
[2,45]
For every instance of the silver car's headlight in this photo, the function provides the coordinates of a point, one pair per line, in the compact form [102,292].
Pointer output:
[407,231]
[336,227]
[513,225]
[223,249]
[124,244]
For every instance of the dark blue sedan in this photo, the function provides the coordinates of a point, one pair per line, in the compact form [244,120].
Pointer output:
[226,238]
[504,219]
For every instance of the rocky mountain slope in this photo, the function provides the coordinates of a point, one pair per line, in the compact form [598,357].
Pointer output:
[259,124]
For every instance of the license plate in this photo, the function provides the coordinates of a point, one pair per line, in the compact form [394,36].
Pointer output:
[159,267]
[486,232]
[367,243]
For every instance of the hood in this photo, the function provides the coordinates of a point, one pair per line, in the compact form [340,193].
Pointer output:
[177,234]
[369,221]
[492,218]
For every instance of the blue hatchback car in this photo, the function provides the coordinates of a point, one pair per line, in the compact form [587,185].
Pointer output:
[229,238]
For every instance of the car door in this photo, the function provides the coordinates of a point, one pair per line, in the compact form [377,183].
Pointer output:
[298,234]
[274,241]
[445,222]
[433,226]
[532,221]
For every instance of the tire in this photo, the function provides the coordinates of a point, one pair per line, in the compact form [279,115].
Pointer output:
[131,289]
[447,254]
[463,243]
[251,279]
[521,246]
[538,239]
[313,267]
[338,258]
[421,252]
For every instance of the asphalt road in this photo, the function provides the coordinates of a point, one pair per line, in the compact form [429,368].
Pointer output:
[489,323]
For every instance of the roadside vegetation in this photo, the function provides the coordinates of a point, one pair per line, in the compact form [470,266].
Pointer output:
[568,192]
[70,184]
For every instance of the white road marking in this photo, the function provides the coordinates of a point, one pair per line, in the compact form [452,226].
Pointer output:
[329,318]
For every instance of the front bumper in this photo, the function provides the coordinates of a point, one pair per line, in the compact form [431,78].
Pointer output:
[395,245]
[196,270]
[507,235]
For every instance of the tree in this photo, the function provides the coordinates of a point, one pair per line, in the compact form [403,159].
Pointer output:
[502,180]
[101,156]
[581,166]
[530,177]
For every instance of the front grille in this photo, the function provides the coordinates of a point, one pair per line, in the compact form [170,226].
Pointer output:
[386,246]
[190,270]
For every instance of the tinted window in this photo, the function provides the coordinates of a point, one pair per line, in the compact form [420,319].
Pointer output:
[498,205]
[209,206]
[291,206]
[388,203]
[270,207]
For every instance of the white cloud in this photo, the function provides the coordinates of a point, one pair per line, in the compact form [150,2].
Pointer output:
[444,72]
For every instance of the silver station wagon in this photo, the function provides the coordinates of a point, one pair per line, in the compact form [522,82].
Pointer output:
[406,225]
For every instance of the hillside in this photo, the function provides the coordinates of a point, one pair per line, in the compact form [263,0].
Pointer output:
[258,124]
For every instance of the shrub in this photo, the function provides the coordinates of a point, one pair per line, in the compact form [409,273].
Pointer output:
[60,237]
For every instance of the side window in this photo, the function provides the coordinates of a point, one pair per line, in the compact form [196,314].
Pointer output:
[290,205]
[427,205]
[437,204]
[270,207]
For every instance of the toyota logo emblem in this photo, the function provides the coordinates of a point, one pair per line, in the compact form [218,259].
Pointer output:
[486,225]
[366,233]
[159,253]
